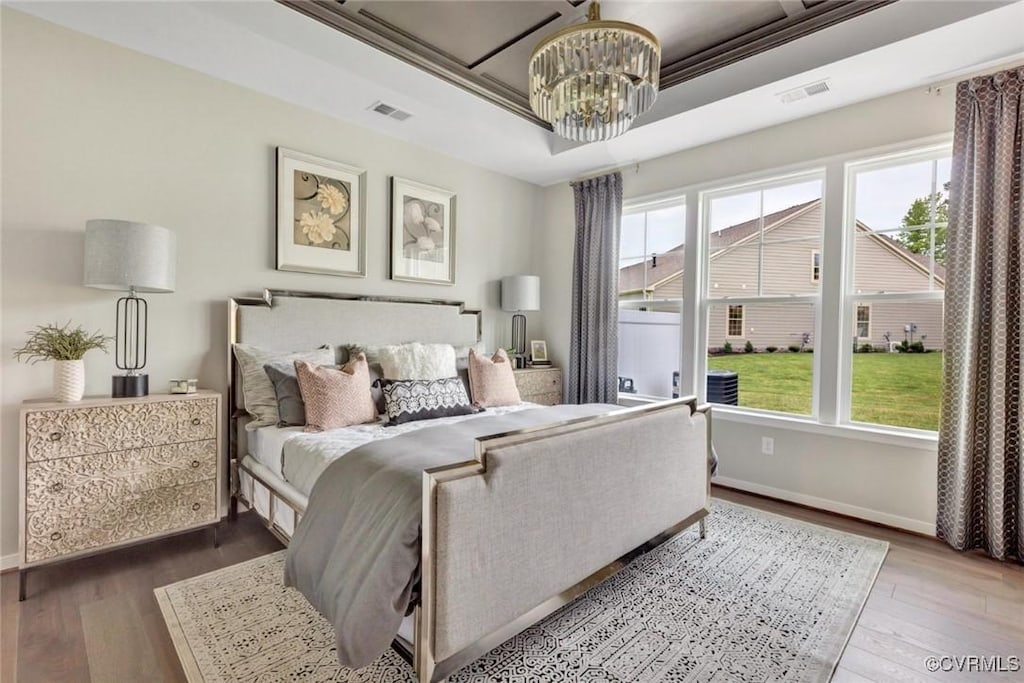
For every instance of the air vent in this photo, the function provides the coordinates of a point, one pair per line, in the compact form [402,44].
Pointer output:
[804,91]
[389,111]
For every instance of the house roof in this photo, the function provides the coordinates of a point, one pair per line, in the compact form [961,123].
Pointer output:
[631,278]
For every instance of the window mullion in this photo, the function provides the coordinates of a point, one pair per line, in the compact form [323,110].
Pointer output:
[693,358]
[832,329]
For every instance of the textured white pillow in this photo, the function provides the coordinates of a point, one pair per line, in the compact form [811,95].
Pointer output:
[418,361]
[257,389]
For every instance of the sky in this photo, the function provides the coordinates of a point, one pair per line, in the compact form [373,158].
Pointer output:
[882,198]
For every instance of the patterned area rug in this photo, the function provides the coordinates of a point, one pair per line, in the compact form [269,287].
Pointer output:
[762,598]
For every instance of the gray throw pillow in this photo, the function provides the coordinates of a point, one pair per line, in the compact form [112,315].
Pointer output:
[290,407]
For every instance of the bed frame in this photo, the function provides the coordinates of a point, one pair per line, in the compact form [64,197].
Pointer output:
[638,477]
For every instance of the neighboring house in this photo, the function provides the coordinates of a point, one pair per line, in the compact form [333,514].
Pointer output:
[792,265]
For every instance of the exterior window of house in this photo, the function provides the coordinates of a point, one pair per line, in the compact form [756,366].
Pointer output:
[897,244]
[735,322]
[761,304]
[815,265]
[650,297]
[863,321]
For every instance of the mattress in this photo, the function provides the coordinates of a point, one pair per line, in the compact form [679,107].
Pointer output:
[267,443]
[307,455]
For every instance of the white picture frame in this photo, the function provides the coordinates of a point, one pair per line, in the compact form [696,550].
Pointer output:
[423,232]
[539,351]
[321,215]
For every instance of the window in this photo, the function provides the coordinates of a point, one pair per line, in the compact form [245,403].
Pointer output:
[864,321]
[897,244]
[734,323]
[650,297]
[863,349]
[762,306]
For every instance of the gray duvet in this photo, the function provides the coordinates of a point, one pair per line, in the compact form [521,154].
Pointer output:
[356,553]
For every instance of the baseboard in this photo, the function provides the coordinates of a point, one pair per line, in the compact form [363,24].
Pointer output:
[867,514]
[8,562]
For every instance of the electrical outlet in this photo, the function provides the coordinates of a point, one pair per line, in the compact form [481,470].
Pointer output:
[767,445]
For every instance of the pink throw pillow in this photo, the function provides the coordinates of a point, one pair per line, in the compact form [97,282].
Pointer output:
[491,381]
[336,397]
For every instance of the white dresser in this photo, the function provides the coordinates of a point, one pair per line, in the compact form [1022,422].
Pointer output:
[103,473]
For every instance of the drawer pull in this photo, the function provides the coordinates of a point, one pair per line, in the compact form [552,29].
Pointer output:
[56,436]
[56,536]
[196,421]
[196,463]
[196,506]
[56,487]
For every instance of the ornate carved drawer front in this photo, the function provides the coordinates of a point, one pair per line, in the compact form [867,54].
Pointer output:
[550,399]
[53,532]
[83,431]
[88,482]
[540,386]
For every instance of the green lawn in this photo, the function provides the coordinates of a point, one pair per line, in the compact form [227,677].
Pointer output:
[900,389]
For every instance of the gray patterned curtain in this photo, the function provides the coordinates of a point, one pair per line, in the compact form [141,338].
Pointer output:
[981,474]
[594,345]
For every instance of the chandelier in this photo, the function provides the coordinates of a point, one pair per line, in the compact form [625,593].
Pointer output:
[590,81]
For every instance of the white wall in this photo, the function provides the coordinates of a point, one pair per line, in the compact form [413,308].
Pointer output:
[886,482]
[91,130]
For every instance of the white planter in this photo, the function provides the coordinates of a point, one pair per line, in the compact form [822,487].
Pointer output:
[68,380]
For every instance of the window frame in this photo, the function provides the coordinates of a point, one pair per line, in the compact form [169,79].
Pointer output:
[729,320]
[831,341]
[646,205]
[762,183]
[864,163]
[857,321]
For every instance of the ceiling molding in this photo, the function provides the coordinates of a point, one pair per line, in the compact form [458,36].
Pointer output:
[801,18]
[775,34]
[402,45]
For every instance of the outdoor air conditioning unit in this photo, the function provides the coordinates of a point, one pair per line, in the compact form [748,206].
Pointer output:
[724,387]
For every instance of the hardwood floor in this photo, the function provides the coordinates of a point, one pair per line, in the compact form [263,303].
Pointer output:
[97,620]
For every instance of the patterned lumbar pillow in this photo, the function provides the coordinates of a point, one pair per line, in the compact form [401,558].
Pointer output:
[418,361]
[257,390]
[491,381]
[419,399]
[336,397]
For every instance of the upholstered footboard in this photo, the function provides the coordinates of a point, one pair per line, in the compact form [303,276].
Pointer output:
[543,514]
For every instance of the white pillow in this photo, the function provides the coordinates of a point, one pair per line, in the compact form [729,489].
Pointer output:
[418,361]
[257,389]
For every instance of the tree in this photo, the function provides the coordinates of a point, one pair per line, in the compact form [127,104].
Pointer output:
[919,240]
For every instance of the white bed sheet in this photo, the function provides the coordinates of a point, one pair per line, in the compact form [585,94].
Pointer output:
[307,455]
[267,443]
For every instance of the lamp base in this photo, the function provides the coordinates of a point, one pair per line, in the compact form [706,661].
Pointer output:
[129,386]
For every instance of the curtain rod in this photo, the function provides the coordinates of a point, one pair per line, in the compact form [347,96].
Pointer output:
[605,171]
[983,69]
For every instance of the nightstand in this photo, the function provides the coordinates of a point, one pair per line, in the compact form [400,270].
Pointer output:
[540,385]
[103,473]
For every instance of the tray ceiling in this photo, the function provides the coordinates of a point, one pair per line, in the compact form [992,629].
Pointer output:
[485,47]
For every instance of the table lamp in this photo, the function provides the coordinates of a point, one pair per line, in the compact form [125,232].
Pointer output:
[129,257]
[520,293]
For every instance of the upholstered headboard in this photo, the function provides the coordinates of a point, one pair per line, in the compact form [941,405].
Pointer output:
[298,321]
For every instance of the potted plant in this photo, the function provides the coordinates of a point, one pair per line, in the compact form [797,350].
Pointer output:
[66,347]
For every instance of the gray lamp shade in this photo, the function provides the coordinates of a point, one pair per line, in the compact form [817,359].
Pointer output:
[122,255]
[520,293]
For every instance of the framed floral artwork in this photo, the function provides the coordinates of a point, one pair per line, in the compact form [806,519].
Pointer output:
[320,215]
[422,232]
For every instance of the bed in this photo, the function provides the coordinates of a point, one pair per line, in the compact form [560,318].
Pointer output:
[608,483]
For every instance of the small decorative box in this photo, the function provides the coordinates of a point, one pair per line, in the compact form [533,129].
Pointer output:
[184,386]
